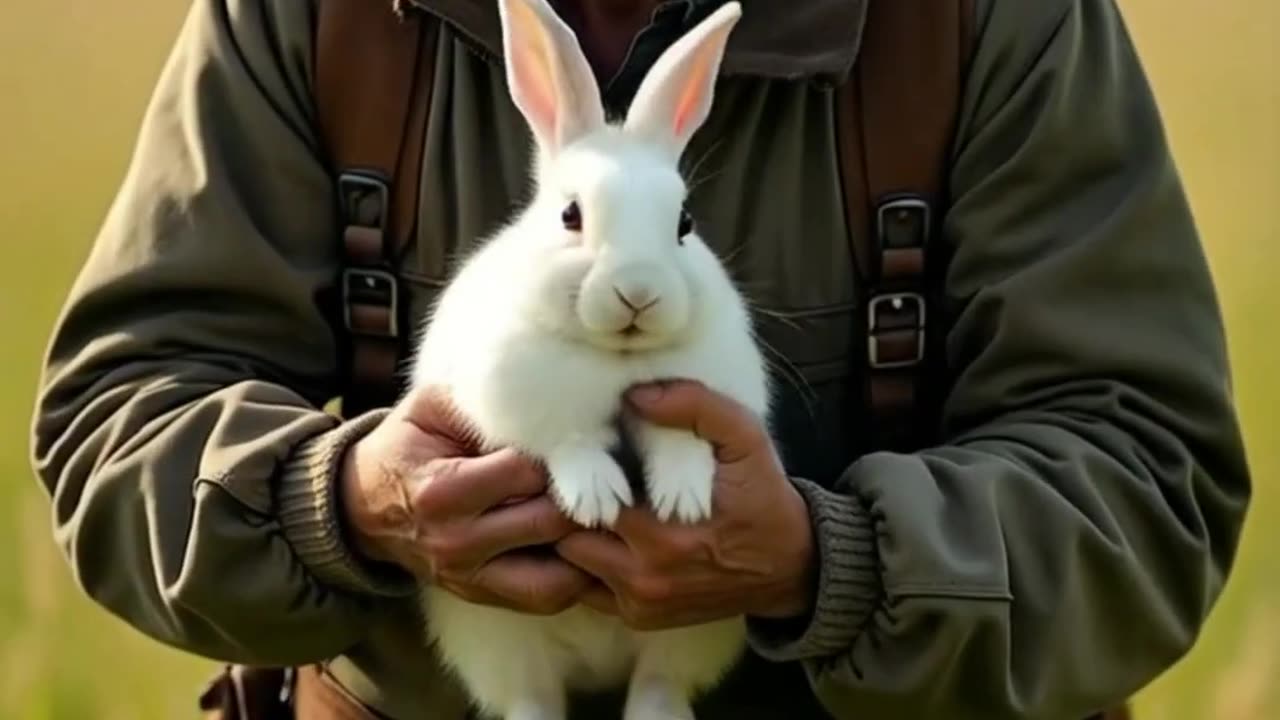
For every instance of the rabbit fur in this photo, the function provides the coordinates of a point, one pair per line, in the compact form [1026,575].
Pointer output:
[591,289]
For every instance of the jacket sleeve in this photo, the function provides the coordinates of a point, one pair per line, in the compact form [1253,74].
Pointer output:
[1064,544]
[179,426]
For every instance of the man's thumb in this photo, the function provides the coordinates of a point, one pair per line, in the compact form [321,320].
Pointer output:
[693,406]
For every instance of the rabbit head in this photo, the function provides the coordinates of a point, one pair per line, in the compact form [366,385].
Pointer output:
[618,262]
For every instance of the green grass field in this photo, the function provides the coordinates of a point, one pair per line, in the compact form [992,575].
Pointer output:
[73,80]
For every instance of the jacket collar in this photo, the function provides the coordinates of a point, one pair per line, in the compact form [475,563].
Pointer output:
[774,38]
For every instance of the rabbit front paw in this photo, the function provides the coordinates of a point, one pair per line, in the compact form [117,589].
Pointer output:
[679,473]
[656,699]
[588,483]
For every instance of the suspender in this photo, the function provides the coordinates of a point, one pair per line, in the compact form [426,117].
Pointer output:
[373,90]
[895,119]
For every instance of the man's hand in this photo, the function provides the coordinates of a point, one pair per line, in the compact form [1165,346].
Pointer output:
[413,493]
[754,556]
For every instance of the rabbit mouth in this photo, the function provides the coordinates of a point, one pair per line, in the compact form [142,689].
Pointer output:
[632,339]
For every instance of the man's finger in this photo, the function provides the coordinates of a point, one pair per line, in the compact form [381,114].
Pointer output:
[538,521]
[540,585]
[641,530]
[731,428]
[604,556]
[601,599]
[471,485]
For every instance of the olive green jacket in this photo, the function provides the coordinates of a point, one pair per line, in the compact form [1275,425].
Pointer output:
[1060,548]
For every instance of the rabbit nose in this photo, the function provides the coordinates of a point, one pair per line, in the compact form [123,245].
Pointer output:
[636,296]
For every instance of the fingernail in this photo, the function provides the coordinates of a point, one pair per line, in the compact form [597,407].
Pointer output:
[645,394]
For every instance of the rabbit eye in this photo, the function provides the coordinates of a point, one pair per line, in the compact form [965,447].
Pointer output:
[685,227]
[571,216]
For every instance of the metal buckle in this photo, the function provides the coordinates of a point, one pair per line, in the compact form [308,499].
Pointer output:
[897,300]
[368,286]
[350,183]
[286,686]
[900,206]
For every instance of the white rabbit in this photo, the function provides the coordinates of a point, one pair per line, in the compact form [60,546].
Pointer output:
[600,283]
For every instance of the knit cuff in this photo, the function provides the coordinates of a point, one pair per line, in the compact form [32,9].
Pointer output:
[307,497]
[849,583]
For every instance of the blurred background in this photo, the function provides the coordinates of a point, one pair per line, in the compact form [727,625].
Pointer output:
[74,78]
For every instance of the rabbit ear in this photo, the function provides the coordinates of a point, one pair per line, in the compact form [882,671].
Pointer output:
[674,99]
[548,76]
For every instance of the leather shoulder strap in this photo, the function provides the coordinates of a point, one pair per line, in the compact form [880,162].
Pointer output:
[895,118]
[373,76]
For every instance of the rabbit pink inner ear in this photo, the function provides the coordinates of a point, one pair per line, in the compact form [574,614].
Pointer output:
[533,88]
[675,98]
[550,81]
[530,71]
[690,107]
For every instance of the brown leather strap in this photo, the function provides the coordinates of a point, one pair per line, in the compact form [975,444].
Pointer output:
[372,92]
[895,119]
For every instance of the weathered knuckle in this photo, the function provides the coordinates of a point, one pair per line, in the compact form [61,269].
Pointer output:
[538,525]
[547,524]
[425,501]
[443,468]
[447,551]
[650,589]
[515,464]
[429,497]
[678,548]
